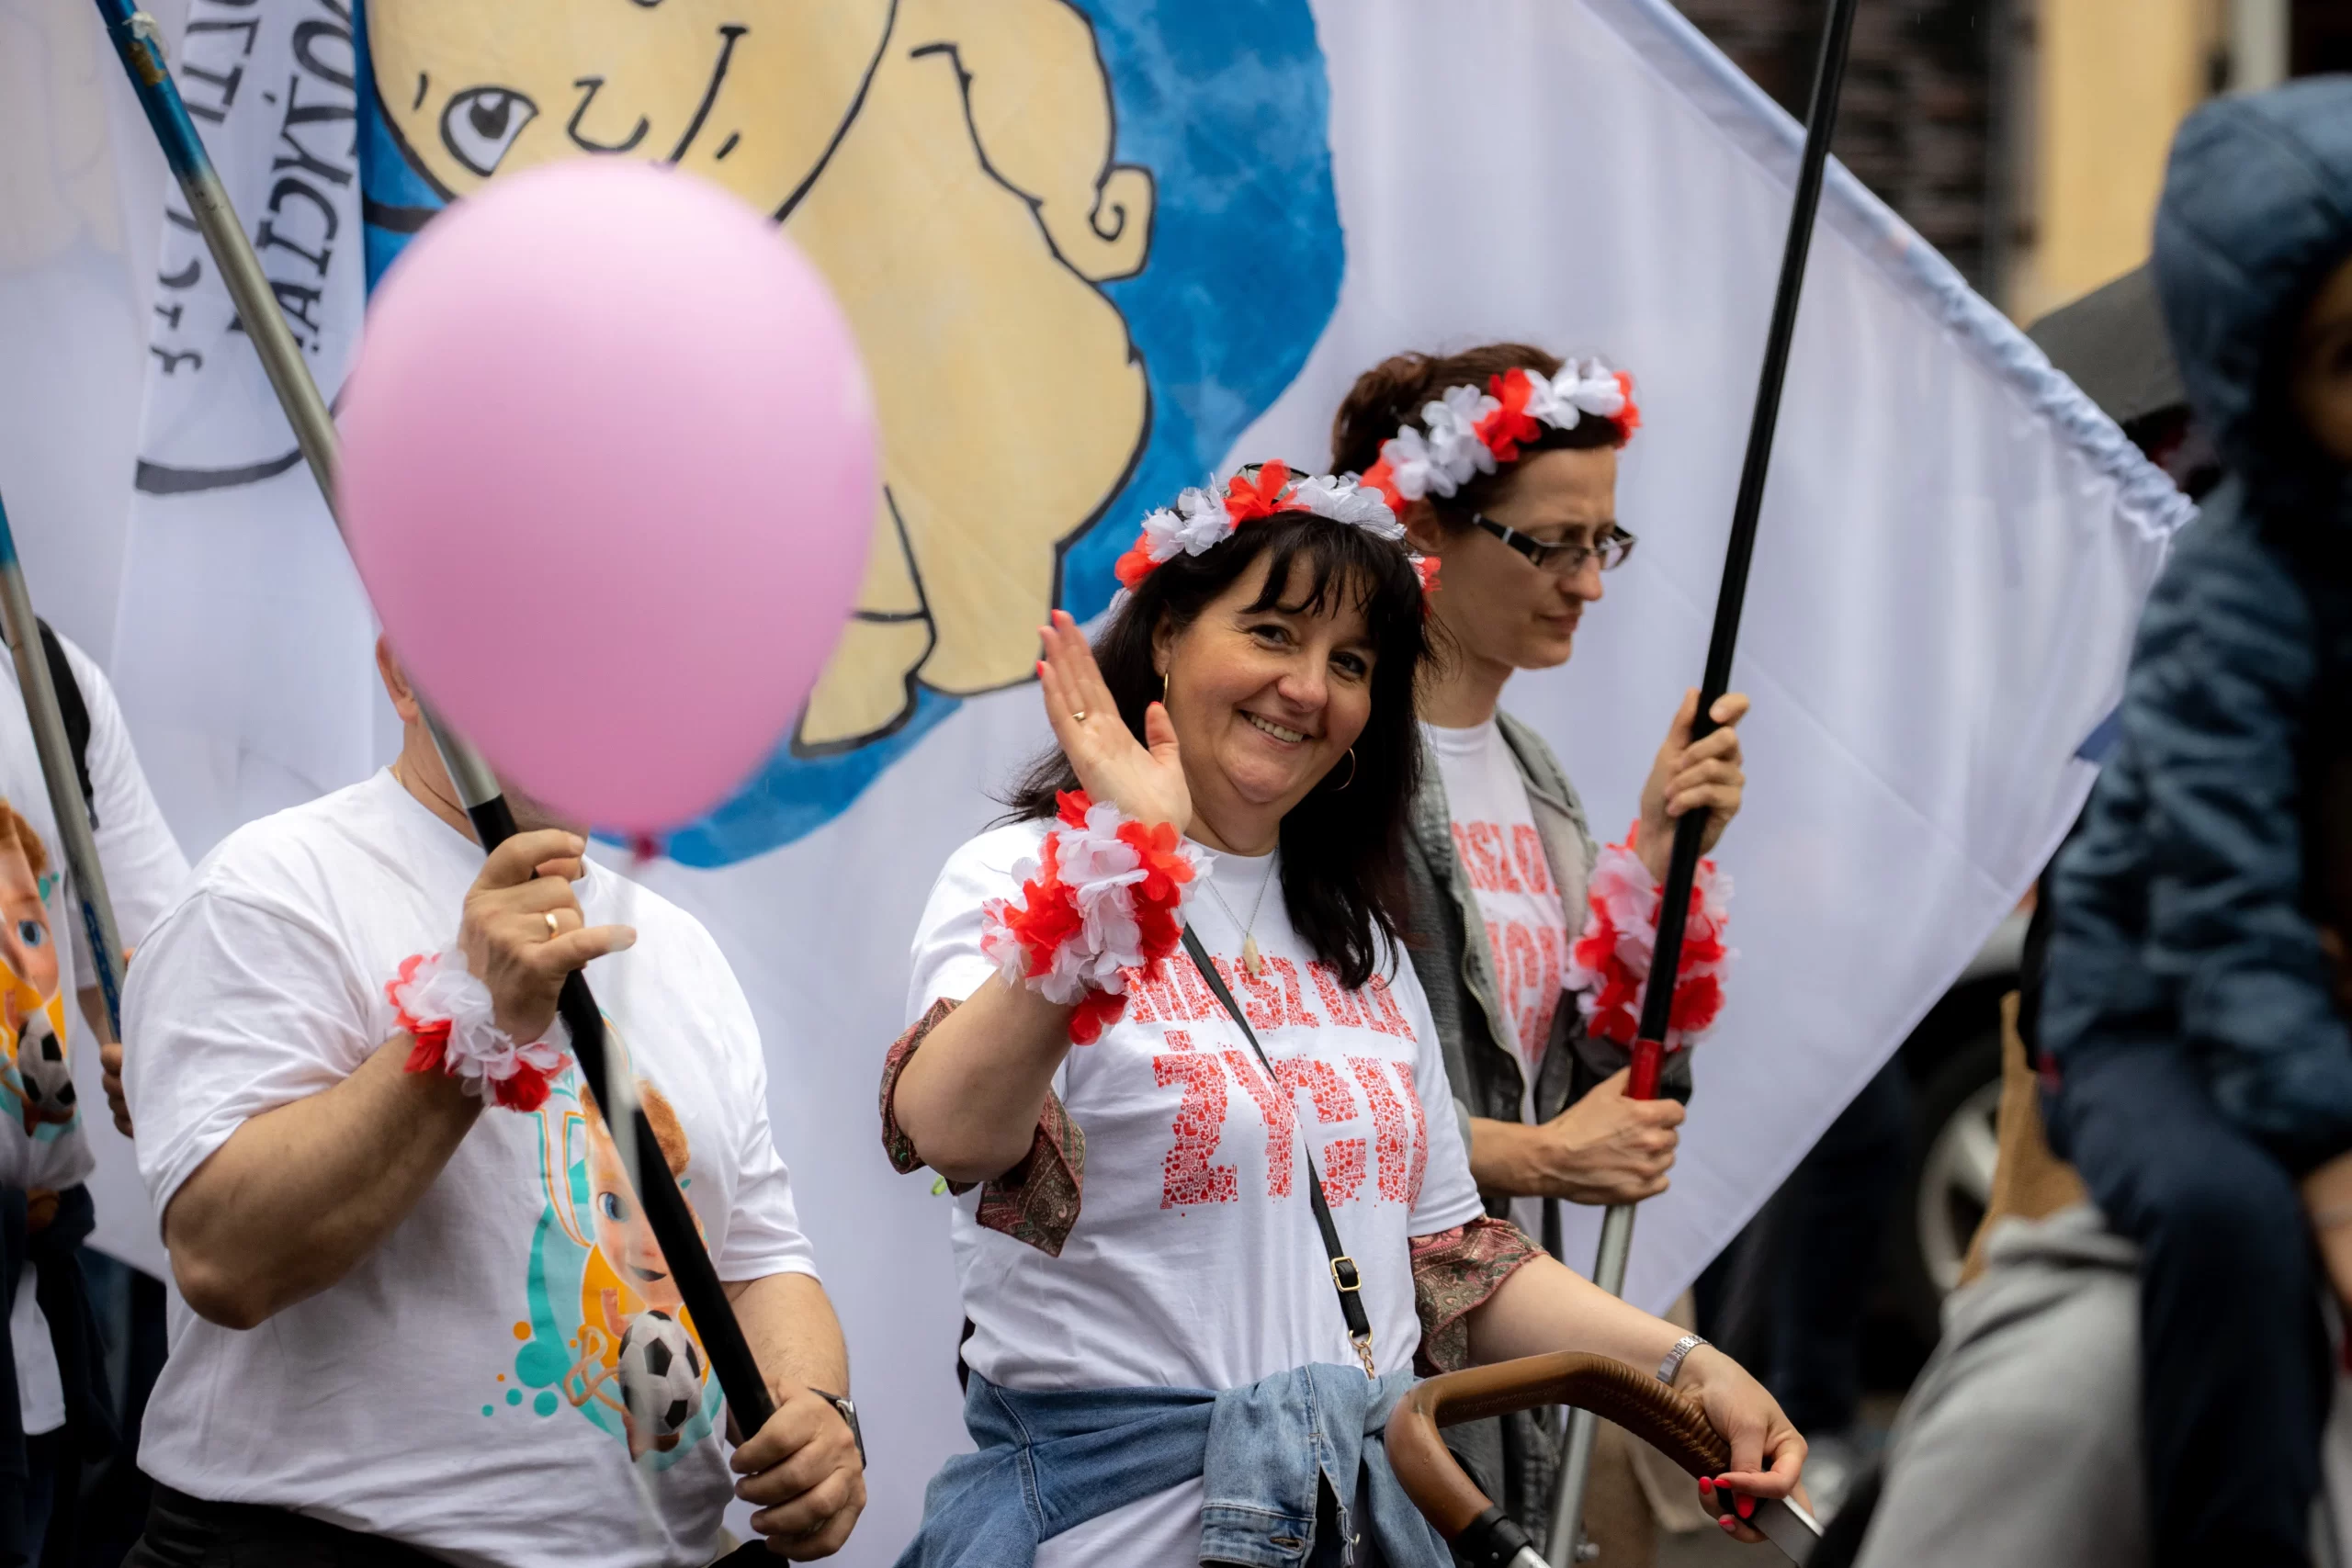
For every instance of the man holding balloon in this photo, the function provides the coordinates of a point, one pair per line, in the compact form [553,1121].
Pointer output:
[424,1322]
[427,1317]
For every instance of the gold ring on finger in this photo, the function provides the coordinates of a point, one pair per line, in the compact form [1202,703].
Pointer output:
[555,927]
[1079,717]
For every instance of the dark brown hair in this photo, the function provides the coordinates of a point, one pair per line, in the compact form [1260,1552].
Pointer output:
[1392,393]
[1343,848]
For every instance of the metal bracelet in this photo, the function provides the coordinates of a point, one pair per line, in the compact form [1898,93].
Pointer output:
[1671,1367]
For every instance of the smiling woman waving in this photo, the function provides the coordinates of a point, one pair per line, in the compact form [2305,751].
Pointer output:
[1212,1206]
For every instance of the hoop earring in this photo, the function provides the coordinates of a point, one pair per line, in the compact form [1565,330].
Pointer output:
[1163,685]
[1352,771]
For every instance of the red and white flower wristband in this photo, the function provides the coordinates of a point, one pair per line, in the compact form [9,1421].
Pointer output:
[1609,965]
[449,1014]
[1105,895]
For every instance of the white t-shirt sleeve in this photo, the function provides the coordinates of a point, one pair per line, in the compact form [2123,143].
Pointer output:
[146,869]
[764,1234]
[237,1005]
[1449,1196]
[947,957]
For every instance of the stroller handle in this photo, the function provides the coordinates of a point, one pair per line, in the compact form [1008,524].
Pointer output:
[1636,1401]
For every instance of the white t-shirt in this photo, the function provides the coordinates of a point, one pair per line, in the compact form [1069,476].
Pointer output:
[461,1390]
[1194,1260]
[1496,839]
[44,1137]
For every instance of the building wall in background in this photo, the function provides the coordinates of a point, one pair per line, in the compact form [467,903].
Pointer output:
[2320,37]
[1920,123]
[2025,139]
[2111,80]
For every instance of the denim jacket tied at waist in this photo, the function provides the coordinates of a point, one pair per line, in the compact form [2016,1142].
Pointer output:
[1050,1461]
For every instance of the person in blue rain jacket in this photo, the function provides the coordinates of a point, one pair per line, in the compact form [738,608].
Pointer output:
[2202,1065]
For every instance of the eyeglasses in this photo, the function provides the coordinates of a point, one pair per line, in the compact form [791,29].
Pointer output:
[1567,559]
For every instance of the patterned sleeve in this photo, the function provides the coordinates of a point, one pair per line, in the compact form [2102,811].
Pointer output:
[1454,1273]
[1036,1201]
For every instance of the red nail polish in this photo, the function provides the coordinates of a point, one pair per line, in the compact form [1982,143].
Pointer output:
[1705,1485]
[1747,1506]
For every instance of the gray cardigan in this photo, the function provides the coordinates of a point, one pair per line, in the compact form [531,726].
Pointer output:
[1512,1458]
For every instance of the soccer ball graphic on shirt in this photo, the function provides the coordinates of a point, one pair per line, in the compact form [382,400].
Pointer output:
[661,1374]
[48,1081]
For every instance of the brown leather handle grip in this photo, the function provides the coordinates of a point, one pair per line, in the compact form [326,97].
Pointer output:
[1611,1390]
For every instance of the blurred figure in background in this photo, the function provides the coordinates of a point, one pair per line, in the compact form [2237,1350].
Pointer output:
[65,1414]
[2189,1004]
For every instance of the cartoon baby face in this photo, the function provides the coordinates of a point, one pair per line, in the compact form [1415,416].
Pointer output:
[27,950]
[749,95]
[622,1233]
[948,165]
[33,1069]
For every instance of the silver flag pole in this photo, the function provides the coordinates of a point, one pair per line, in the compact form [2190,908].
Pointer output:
[57,772]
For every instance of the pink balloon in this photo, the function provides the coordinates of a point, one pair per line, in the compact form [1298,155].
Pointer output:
[609,472]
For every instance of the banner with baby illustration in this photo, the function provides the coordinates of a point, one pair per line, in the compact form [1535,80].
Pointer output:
[1037,217]
[1095,251]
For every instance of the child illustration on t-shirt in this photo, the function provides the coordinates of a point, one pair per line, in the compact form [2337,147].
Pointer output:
[639,1355]
[36,1086]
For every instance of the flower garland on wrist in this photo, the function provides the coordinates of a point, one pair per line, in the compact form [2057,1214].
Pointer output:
[451,1016]
[1464,431]
[1609,965]
[1104,896]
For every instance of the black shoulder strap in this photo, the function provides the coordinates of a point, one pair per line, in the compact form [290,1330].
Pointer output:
[1345,1277]
[74,710]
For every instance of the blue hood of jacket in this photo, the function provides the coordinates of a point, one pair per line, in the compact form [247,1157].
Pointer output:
[2183,920]
[2257,212]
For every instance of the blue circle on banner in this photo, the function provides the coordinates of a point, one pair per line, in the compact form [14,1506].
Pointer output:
[1226,103]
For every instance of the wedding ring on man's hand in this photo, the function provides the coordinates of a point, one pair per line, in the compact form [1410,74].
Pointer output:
[1079,717]
[555,927]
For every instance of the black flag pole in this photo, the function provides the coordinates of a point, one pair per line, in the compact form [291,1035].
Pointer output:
[1649,1047]
[666,1212]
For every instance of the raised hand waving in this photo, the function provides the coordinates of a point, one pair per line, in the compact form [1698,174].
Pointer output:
[1144,779]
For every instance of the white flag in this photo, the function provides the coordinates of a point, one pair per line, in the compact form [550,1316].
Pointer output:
[243,648]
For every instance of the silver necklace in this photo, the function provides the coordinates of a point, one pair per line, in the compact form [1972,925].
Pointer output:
[1251,960]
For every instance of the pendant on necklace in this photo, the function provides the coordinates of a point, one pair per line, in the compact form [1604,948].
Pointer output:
[1251,960]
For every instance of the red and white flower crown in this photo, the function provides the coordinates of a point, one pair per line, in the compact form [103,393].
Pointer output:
[1464,431]
[1199,521]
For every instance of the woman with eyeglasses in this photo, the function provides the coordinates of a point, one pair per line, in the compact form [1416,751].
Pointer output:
[1502,460]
